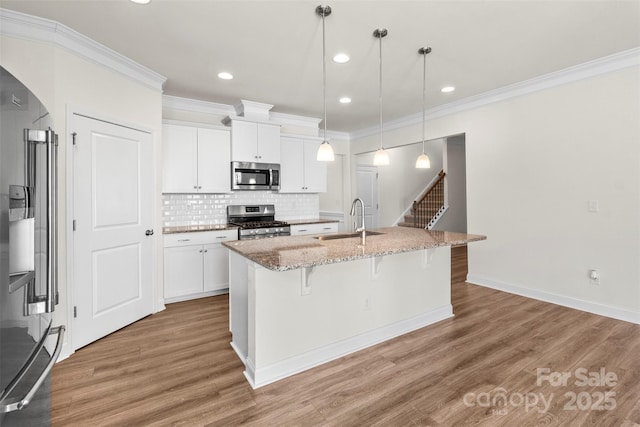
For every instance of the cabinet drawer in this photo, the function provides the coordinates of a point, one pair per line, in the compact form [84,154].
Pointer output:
[308,229]
[199,238]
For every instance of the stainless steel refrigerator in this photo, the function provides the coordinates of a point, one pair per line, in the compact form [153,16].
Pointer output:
[29,344]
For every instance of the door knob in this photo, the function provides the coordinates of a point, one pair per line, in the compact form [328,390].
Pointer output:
[148,233]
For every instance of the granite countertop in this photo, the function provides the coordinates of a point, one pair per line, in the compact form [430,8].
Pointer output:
[289,253]
[310,221]
[192,228]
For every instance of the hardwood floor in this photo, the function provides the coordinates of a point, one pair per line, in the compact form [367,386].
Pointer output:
[177,368]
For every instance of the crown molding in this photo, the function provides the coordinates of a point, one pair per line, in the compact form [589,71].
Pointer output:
[33,28]
[207,107]
[604,65]
[197,106]
[294,120]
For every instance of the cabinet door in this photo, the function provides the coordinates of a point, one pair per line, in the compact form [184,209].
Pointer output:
[214,161]
[179,164]
[268,143]
[182,271]
[216,267]
[315,172]
[291,167]
[244,141]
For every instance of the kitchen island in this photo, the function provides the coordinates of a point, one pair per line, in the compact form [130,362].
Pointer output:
[297,302]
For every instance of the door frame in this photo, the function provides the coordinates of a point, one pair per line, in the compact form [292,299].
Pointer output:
[70,288]
[371,168]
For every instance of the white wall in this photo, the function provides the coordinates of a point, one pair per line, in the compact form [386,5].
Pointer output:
[455,218]
[533,162]
[62,81]
[399,182]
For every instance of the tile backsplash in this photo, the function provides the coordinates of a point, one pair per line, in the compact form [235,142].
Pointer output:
[205,209]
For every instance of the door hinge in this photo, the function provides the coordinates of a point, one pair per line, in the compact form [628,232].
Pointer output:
[75,311]
[376,175]
[74,225]
[73,138]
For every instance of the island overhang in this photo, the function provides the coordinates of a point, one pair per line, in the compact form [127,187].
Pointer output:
[291,253]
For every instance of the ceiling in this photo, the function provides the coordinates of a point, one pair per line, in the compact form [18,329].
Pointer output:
[274,48]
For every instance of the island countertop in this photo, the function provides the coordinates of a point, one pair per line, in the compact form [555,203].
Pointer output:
[289,253]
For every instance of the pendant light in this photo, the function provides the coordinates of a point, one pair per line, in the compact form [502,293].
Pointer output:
[423,161]
[325,151]
[381,157]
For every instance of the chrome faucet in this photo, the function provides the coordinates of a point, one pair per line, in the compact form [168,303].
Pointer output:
[360,229]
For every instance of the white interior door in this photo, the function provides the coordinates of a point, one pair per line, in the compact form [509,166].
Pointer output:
[113,209]
[367,190]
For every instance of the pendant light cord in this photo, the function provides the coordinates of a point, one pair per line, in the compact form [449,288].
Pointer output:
[424,96]
[380,90]
[324,79]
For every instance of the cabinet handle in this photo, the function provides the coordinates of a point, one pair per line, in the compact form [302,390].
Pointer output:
[200,250]
[148,233]
[206,250]
[184,240]
[300,231]
[195,187]
[327,228]
[221,237]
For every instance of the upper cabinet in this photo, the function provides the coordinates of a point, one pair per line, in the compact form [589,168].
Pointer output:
[195,160]
[255,142]
[300,172]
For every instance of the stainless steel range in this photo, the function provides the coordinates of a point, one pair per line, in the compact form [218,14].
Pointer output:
[256,221]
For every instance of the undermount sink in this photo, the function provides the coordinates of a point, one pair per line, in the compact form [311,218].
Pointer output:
[345,235]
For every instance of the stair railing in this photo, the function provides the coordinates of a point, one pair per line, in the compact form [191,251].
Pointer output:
[430,205]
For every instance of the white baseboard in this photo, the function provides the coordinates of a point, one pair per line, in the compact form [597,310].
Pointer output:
[590,307]
[194,296]
[259,377]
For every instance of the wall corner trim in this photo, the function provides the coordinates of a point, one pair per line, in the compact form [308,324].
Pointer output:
[33,28]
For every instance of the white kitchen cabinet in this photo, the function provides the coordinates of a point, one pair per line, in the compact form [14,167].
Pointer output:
[300,172]
[316,228]
[195,160]
[255,142]
[196,264]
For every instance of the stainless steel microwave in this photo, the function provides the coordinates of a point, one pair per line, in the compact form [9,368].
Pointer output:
[255,176]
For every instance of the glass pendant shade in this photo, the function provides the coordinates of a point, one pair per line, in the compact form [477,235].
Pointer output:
[381,157]
[325,152]
[423,162]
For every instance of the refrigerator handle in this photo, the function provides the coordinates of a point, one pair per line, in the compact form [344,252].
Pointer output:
[50,139]
[15,404]
[52,222]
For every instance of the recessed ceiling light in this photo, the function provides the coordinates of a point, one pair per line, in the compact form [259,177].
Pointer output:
[447,89]
[341,58]
[225,76]
[141,1]
[345,100]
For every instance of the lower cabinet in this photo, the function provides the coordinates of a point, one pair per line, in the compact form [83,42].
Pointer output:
[316,228]
[196,264]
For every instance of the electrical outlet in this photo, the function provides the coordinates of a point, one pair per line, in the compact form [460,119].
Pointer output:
[594,277]
[593,206]
[367,304]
